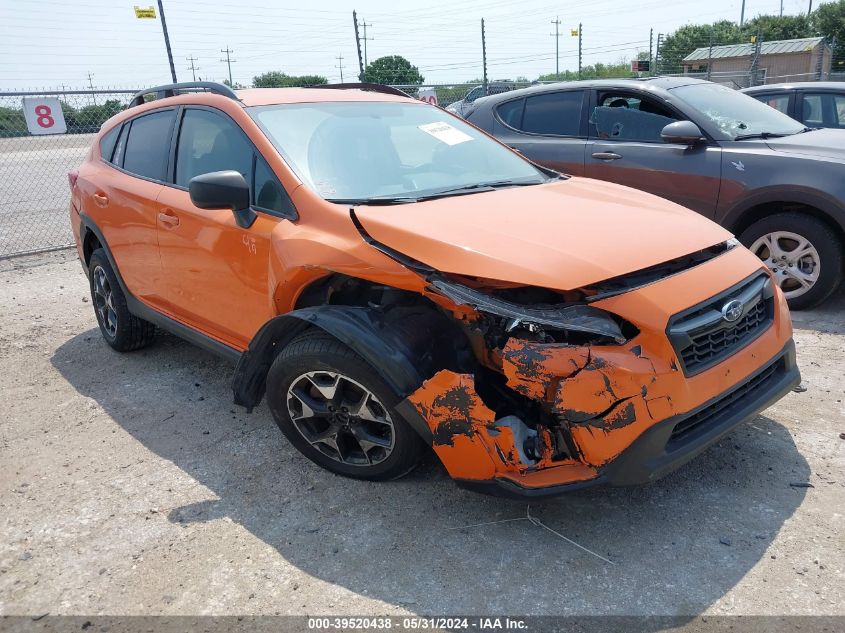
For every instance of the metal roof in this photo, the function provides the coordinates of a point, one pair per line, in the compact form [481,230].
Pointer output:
[747,50]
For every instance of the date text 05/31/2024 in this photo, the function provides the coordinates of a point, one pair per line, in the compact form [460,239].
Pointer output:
[418,623]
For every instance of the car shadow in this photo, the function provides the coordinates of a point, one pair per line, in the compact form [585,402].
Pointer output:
[828,317]
[675,547]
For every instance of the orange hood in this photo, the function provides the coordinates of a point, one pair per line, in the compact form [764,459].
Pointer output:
[562,235]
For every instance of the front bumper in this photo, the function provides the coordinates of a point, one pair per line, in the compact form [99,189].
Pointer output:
[673,442]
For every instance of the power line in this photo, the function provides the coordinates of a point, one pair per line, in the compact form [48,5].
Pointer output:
[228,61]
[193,68]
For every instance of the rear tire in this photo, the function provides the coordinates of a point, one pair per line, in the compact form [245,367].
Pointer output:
[121,329]
[338,412]
[803,252]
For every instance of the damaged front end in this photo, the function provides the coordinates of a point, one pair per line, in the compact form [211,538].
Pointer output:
[562,394]
[558,392]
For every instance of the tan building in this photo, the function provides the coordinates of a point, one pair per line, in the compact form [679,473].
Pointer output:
[777,61]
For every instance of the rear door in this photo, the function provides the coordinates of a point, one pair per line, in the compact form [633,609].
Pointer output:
[548,128]
[122,200]
[625,147]
[217,272]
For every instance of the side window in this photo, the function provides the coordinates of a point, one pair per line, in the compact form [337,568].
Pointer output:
[148,144]
[779,102]
[824,110]
[813,114]
[839,102]
[625,117]
[268,192]
[120,146]
[107,143]
[210,142]
[556,113]
[510,113]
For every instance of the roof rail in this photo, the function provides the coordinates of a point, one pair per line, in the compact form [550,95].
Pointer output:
[369,87]
[170,90]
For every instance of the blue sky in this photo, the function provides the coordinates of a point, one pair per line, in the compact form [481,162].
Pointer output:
[51,43]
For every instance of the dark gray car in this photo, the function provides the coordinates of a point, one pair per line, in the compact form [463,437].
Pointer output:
[775,183]
[813,103]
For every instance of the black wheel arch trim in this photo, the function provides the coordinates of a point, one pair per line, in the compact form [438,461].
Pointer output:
[364,330]
[143,311]
[828,205]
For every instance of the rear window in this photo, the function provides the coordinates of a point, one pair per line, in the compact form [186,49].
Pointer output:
[510,113]
[555,114]
[107,143]
[148,145]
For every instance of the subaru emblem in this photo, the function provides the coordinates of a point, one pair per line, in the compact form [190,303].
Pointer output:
[732,310]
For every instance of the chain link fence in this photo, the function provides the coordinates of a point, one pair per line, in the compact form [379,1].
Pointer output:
[38,147]
[46,134]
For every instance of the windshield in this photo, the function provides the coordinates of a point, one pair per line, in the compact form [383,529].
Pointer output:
[737,114]
[360,150]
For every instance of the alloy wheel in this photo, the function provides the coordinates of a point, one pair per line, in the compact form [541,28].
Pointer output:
[104,301]
[341,418]
[794,261]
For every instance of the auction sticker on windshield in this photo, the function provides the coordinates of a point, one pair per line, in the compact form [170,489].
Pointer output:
[446,133]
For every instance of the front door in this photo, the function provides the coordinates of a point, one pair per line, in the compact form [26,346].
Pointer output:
[216,273]
[625,147]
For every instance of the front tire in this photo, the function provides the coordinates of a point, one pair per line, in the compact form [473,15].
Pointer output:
[803,252]
[338,412]
[121,329]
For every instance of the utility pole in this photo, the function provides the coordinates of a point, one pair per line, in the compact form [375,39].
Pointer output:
[339,59]
[228,61]
[710,54]
[781,8]
[358,47]
[193,68]
[364,37]
[484,56]
[91,85]
[556,35]
[167,41]
[810,10]
[651,51]
[742,15]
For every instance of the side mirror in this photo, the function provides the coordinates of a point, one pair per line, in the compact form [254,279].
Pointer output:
[685,132]
[223,190]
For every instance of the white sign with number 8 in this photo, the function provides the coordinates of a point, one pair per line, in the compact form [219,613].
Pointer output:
[44,115]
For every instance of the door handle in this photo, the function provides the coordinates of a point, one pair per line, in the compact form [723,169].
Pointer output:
[101,200]
[607,156]
[169,218]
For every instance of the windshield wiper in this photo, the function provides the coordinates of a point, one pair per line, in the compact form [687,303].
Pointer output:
[763,135]
[465,190]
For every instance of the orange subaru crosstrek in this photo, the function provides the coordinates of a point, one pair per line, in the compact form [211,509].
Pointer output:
[390,277]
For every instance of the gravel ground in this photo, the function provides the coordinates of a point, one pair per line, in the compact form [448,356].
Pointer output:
[131,485]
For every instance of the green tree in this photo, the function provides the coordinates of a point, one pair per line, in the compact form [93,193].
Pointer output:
[393,69]
[234,86]
[12,122]
[829,21]
[689,37]
[619,69]
[278,79]
[776,27]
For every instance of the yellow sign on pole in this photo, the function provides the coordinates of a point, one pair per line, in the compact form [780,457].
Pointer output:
[573,32]
[149,12]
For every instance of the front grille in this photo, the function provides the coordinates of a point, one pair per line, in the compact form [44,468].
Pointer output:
[703,337]
[716,411]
